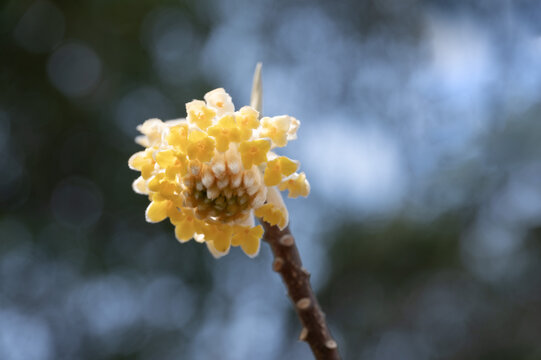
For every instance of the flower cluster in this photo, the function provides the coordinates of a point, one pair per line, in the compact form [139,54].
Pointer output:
[212,172]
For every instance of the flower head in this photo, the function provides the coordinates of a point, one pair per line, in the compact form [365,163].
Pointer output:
[212,173]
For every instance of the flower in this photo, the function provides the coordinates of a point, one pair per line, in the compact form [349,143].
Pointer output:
[214,172]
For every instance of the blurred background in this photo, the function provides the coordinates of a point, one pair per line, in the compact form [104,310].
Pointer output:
[420,135]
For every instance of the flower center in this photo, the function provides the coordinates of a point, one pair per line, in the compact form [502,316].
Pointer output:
[223,190]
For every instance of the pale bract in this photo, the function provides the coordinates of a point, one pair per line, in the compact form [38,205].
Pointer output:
[212,173]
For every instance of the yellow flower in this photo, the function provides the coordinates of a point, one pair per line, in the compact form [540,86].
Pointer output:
[248,120]
[185,224]
[276,129]
[297,185]
[225,131]
[272,214]
[254,152]
[157,210]
[199,114]
[213,173]
[220,235]
[200,146]
[277,169]
[174,163]
[248,238]
[143,162]
[178,137]
[151,130]
[220,101]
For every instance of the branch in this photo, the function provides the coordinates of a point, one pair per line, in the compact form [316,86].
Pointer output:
[288,264]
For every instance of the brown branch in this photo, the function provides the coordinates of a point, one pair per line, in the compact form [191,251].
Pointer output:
[287,262]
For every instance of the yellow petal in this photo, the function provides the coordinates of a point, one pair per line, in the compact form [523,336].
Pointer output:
[219,100]
[175,216]
[272,176]
[239,233]
[225,132]
[147,170]
[288,166]
[212,250]
[222,238]
[227,121]
[271,214]
[196,136]
[249,238]
[165,158]
[297,185]
[245,134]
[251,246]
[199,114]
[143,162]
[155,182]
[276,129]
[293,127]
[254,152]
[184,231]
[140,186]
[138,160]
[157,211]
[178,137]
[180,167]
[247,120]
[201,147]
[277,169]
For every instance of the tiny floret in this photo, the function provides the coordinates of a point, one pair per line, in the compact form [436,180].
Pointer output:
[214,172]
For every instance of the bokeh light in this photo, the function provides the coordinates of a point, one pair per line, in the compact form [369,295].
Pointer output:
[74,69]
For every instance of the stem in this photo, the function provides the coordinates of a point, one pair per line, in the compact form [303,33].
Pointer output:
[287,262]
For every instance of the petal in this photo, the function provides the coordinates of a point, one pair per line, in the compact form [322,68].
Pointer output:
[220,101]
[288,166]
[297,185]
[272,176]
[222,240]
[293,127]
[222,144]
[247,118]
[276,129]
[196,136]
[199,114]
[254,152]
[140,186]
[152,131]
[150,126]
[175,216]
[281,122]
[251,246]
[213,251]
[238,235]
[184,231]
[148,170]
[274,198]
[165,158]
[157,211]
[138,160]
[178,137]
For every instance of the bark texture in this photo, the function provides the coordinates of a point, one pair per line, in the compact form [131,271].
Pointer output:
[288,264]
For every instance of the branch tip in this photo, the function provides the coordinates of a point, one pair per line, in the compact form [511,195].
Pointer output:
[257,90]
